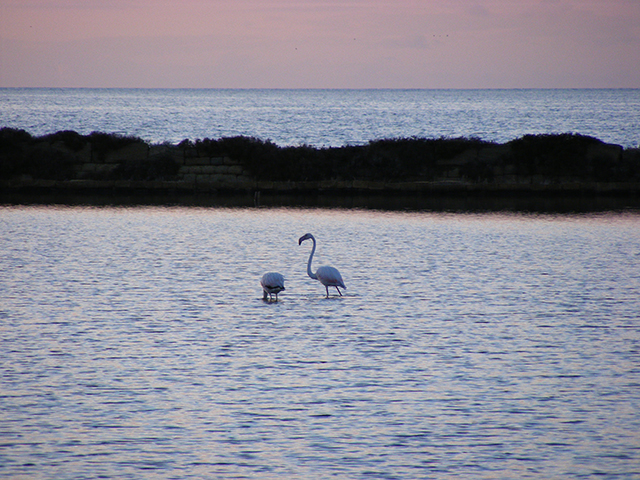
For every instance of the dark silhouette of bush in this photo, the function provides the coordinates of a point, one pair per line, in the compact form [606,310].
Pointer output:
[186,143]
[257,155]
[629,167]
[103,143]
[387,159]
[13,137]
[48,163]
[43,158]
[14,144]
[552,156]
[477,171]
[160,167]
[22,154]
[70,139]
[556,157]
[624,168]
[260,157]
[412,158]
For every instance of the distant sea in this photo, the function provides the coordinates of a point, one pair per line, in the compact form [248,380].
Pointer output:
[324,118]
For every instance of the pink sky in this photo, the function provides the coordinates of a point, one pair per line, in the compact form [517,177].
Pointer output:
[320,43]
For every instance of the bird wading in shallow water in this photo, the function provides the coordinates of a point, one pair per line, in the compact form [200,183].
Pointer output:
[272,284]
[328,276]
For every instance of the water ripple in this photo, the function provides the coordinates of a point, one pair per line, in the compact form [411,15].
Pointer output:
[136,344]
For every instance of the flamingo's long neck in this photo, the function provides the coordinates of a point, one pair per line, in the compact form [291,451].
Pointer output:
[313,250]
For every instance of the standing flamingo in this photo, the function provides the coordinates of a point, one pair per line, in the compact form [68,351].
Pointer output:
[272,284]
[328,276]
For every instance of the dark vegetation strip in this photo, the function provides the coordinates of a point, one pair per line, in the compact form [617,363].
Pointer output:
[552,158]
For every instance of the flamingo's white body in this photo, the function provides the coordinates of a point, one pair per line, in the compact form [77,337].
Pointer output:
[328,276]
[272,284]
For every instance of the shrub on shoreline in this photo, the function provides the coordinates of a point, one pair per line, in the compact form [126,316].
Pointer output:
[61,155]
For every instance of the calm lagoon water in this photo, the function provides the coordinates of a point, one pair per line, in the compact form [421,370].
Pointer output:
[135,344]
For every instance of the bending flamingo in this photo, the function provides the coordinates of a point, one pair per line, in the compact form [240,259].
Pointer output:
[272,284]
